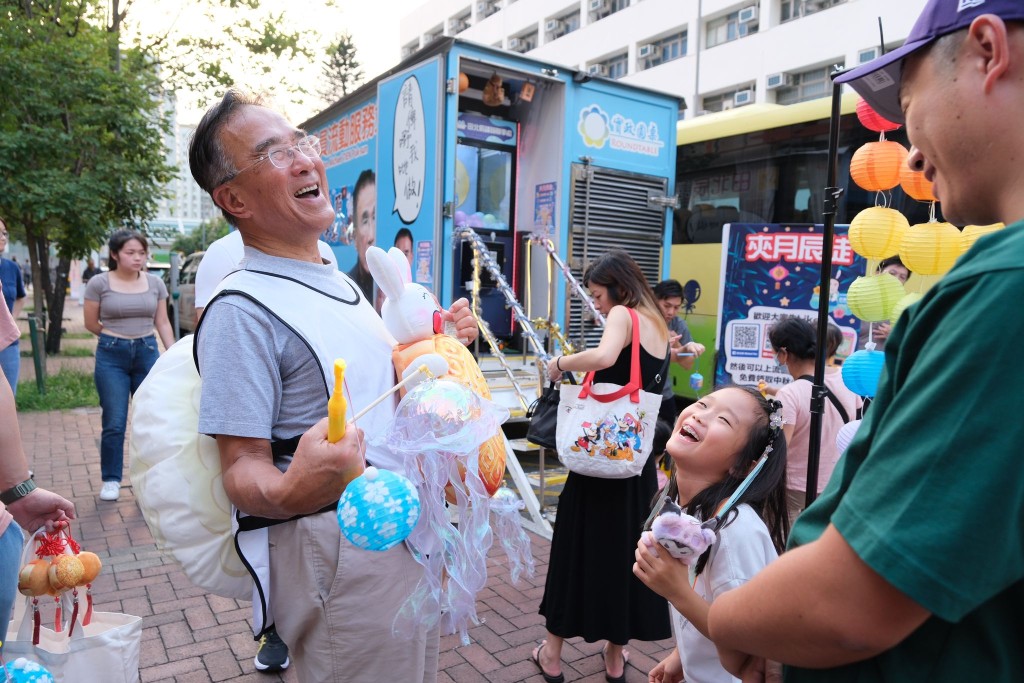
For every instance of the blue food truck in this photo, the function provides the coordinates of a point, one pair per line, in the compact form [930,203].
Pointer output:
[546,164]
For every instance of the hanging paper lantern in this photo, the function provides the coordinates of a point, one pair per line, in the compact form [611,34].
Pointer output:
[871,298]
[876,165]
[903,304]
[378,509]
[877,232]
[845,435]
[862,370]
[971,233]
[930,248]
[872,120]
[463,82]
[916,185]
[23,670]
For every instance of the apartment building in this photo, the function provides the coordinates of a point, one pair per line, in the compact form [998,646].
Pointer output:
[716,54]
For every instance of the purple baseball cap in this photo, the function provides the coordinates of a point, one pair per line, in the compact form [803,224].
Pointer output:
[878,81]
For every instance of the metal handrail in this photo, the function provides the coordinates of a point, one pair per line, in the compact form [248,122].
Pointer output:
[575,287]
[482,258]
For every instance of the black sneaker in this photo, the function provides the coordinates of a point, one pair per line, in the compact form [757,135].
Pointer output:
[273,653]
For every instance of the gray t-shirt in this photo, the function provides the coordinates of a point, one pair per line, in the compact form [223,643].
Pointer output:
[260,380]
[676,326]
[129,315]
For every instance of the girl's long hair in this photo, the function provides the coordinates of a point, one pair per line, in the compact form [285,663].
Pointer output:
[766,494]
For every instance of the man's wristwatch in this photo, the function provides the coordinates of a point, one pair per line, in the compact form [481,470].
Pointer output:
[15,492]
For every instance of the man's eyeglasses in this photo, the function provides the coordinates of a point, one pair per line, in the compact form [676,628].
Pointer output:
[283,157]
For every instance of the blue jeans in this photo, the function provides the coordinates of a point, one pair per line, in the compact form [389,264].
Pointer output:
[121,365]
[10,363]
[11,544]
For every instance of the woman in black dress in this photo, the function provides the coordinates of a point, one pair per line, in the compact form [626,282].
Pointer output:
[590,589]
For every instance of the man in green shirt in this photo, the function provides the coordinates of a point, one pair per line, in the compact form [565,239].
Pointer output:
[910,565]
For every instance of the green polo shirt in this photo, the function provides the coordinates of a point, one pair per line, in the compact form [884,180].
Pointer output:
[930,494]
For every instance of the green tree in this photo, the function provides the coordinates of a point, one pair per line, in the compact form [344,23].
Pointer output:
[81,138]
[200,238]
[341,70]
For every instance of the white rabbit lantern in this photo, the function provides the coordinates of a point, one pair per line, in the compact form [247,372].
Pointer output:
[413,317]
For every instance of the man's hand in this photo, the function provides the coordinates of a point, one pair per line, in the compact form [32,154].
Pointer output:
[462,316]
[880,332]
[748,668]
[41,508]
[320,470]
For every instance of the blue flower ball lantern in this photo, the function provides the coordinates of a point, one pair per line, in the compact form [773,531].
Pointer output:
[862,370]
[378,510]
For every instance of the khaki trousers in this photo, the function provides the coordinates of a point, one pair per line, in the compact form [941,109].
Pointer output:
[334,604]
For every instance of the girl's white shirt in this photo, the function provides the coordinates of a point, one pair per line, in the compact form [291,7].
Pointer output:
[744,548]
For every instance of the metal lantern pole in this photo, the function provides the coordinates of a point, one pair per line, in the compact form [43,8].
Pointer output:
[832,194]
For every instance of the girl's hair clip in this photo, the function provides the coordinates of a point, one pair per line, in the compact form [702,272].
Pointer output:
[775,419]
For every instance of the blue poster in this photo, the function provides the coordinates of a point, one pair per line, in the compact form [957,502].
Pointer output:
[771,272]
[408,155]
[348,146]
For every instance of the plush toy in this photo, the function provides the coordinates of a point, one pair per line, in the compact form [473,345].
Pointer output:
[679,533]
[413,317]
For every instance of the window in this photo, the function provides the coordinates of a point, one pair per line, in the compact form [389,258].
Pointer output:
[806,85]
[617,66]
[727,29]
[599,9]
[663,50]
[523,43]
[794,9]
[559,26]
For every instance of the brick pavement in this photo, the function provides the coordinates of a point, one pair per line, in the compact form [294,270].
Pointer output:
[190,635]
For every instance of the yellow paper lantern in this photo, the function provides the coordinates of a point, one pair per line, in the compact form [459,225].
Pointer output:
[971,233]
[930,248]
[872,297]
[876,165]
[908,300]
[877,232]
[916,185]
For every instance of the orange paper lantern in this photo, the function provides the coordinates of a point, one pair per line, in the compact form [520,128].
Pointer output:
[971,233]
[877,232]
[930,248]
[876,165]
[463,82]
[872,120]
[916,185]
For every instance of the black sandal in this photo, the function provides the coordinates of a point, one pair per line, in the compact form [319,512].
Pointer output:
[548,678]
[607,676]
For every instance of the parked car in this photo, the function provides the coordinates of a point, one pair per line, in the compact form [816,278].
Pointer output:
[186,301]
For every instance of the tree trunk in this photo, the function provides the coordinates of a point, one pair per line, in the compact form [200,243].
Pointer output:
[38,292]
[56,313]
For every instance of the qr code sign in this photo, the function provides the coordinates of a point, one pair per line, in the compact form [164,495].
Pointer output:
[746,339]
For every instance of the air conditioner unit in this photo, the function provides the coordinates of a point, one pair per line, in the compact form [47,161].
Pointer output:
[484,9]
[748,15]
[743,97]
[516,43]
[778,80]
[649,51]
[727,105]
[554,25]
[868,55]
[597,70]
[598,5]
[457,25]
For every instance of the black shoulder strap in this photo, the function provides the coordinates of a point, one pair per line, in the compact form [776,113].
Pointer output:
[663,372]
[831,397]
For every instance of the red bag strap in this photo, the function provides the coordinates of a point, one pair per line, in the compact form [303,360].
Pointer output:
[633,387]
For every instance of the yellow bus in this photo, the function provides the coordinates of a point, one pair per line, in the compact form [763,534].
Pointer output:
[763,163]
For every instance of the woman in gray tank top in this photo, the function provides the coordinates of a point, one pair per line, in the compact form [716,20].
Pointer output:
[122,307]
